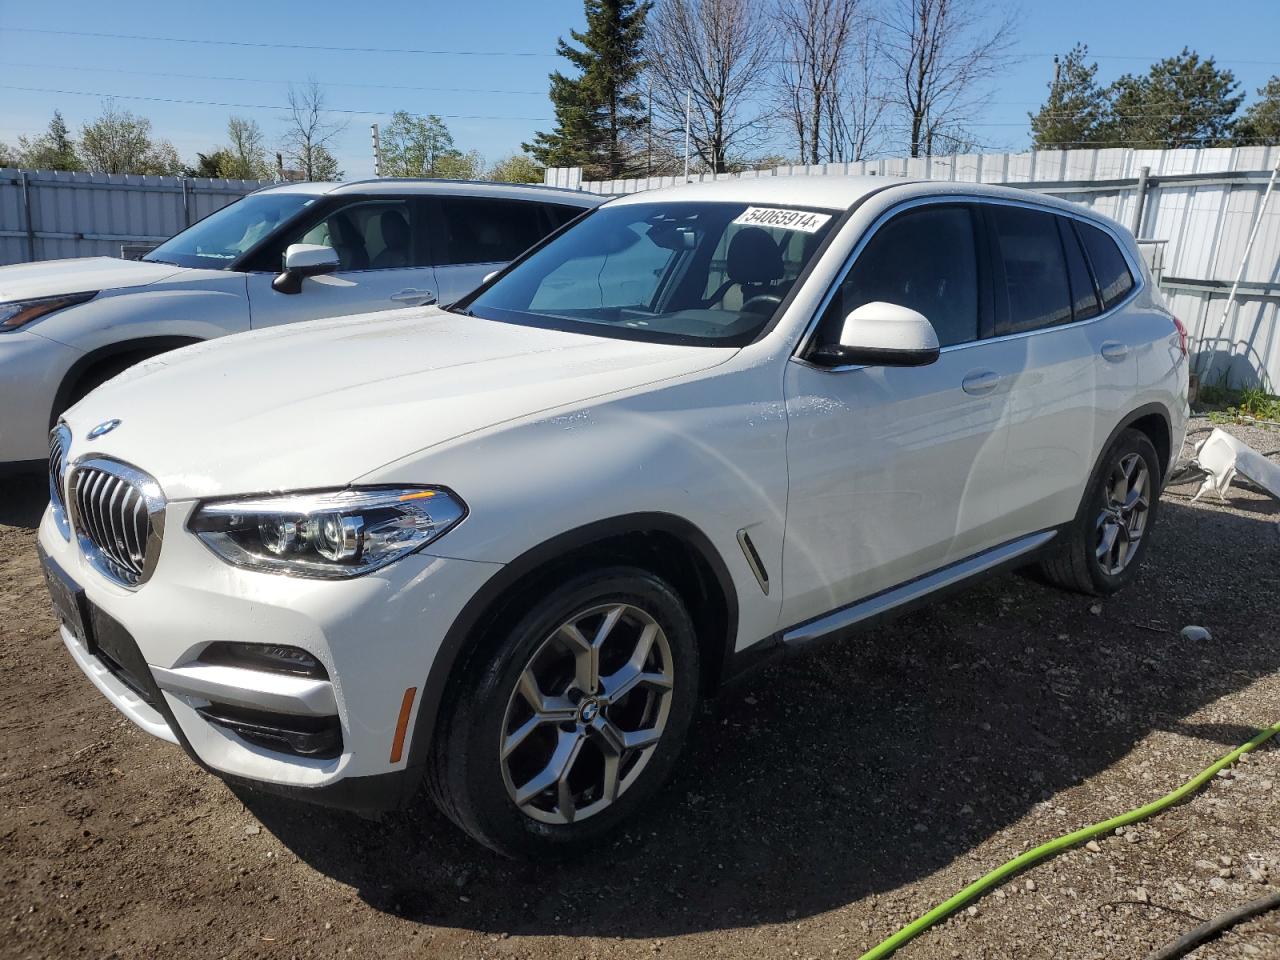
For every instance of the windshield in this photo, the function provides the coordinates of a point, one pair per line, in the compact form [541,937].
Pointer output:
[700,273]
[223,236]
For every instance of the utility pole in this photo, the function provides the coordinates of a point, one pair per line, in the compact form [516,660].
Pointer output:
[648,163]
[1057,72]
[688,112]
[377,150]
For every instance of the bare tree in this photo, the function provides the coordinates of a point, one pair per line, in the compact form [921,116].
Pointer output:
[717,53]
[859,110]
[941,53]
[817,40]
[309,133]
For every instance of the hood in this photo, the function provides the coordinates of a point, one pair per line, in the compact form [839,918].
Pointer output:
[49,278]
[322,403]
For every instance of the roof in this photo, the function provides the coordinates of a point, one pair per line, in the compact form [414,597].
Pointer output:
[466,188]
[841,192]
[831,192]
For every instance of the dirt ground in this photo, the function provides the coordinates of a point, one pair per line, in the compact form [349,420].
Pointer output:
[826,800]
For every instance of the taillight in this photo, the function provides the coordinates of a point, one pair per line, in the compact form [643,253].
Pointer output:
[1182,335]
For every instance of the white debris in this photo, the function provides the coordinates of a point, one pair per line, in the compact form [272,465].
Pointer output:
[1192,632]
[1222,456]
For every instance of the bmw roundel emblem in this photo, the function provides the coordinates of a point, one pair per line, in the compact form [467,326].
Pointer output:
[102,429]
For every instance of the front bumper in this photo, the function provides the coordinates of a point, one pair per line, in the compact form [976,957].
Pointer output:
[376,636]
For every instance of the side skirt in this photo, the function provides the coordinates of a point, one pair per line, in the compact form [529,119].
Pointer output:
[894,602]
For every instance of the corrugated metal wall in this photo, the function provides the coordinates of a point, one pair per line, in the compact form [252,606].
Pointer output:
[1199,208]
[92,214]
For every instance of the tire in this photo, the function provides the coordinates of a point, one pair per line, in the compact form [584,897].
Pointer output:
[1081,564]
[495,798]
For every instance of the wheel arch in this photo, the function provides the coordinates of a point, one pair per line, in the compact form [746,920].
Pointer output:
[665,544]
[1151,419]
[142,346]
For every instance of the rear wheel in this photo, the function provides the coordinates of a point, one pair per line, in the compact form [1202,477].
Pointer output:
[1108,538]
[564,724]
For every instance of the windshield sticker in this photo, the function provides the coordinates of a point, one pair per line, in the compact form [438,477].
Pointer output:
[780,219]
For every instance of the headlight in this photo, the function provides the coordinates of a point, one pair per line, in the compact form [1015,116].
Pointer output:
[330,535]
[21,312]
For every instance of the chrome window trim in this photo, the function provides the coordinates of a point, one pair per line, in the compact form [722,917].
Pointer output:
[1139,278]
[152,496]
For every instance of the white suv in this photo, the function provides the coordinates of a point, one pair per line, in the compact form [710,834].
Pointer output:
[504,548]
[68,325]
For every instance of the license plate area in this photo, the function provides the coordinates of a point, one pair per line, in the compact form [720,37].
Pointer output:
[69,602]
[104,637]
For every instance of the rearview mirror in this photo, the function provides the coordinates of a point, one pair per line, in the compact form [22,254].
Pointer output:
[883,335]
[304,260]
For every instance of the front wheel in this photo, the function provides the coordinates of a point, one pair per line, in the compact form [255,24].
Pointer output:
[564,724]
[1108,538]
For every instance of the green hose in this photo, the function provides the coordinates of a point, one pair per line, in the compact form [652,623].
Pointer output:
[1054,847]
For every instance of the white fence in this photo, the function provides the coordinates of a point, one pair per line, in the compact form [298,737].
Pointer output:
[46,215]
[1193,208]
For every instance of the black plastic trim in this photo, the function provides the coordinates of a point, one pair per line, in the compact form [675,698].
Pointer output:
[837,355]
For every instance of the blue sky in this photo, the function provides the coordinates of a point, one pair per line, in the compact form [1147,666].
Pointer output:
[1123,35]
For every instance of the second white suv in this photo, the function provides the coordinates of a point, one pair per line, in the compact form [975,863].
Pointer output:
[502,549]
[299,251]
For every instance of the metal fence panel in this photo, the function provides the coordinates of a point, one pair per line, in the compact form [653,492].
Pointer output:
[91,214]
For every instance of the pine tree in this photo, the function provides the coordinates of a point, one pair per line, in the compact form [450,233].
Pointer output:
[1261,122]
[599,110]
[1183,101]
[1076,109]
[52,150]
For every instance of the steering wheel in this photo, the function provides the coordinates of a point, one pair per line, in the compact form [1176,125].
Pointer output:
[770,300]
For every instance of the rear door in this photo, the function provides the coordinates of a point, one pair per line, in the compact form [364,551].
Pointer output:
[1072,375]
[383,251]
[473,236]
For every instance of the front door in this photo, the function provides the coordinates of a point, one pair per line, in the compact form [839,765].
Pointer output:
[384,265]
[895,471]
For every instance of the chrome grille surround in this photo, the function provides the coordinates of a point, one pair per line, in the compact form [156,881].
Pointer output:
[59,444]
[117,512]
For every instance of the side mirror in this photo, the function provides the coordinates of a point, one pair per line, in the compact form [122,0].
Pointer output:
[303,260]
[883,335]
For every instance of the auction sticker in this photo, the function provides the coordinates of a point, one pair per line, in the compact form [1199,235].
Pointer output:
[780,219]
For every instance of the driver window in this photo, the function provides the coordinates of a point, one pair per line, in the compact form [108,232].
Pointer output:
[369,236]
[924,259]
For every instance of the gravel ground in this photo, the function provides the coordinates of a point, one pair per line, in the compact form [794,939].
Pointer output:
[826,800]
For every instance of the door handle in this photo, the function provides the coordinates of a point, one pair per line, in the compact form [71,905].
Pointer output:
[1114,351]
[415,298]
[980,383]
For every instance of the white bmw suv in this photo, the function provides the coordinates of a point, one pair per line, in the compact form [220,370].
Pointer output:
[503,549]
[299,251]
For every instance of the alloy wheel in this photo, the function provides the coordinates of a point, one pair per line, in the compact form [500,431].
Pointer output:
[587,713]
[1124,514]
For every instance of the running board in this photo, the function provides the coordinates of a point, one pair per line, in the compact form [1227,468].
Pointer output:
[914,590]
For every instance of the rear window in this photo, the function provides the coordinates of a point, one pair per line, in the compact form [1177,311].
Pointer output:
[1035,269]
[482,230]
[1109,265]
[1084,299]
[561,214]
